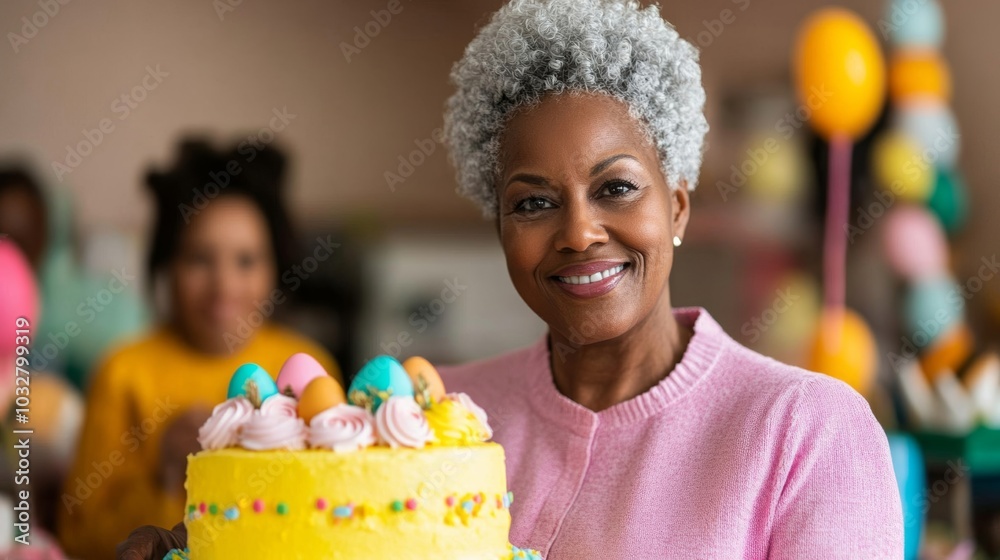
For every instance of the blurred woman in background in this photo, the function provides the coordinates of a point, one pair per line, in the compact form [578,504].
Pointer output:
[220,242]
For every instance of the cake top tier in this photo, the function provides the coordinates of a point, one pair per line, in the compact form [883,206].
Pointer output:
[387,404]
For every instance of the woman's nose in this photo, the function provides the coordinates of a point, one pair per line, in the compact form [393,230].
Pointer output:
[581,227]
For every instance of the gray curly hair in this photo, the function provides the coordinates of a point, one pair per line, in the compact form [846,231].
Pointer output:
[531,48]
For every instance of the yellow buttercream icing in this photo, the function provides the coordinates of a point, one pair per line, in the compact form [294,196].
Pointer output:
[453,424]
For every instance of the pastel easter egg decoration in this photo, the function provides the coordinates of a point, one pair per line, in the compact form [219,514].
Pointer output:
[912,23]
[297,371]
[900,169]
[252,381]
[914,243]
[844,347]
[320,394]
[427,384]
[949,200]
[919,73]
[931,307]
[948,352]
[840,73]
[379,379]
[933,127]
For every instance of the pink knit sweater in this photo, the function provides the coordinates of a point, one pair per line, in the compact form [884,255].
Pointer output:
[733,455]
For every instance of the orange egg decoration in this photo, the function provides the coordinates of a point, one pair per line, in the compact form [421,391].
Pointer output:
[427,384]
[320,394]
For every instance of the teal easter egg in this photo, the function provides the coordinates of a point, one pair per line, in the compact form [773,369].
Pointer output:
[266,386]
[949,200]
[379,379]
[932,307]
[914,23]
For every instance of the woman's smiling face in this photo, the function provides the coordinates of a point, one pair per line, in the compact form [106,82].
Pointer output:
[581,197]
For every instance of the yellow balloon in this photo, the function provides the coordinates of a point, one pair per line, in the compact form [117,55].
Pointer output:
[840,73]
[781,172]
[900,168]
[916,73]
[843,347]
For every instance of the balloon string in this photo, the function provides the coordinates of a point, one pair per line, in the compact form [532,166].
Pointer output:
[835,240]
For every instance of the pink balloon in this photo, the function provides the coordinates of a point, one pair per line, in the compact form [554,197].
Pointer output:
[19,297]
[914,243]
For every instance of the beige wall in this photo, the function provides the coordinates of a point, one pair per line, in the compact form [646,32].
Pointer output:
[354,119]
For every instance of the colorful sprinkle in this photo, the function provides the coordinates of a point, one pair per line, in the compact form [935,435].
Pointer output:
[449,501]
[191,508]
[499,503]
[343,512]
[282,508]
[258,506]
[320,504]
[202,507]
[411,504]
[397,506]
[478,498]
[232,513]
[213,509]
[468,505]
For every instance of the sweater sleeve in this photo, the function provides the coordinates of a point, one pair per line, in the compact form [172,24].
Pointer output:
[109,490]
[839,497]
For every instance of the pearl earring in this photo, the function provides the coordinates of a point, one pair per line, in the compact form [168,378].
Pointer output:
[677,241]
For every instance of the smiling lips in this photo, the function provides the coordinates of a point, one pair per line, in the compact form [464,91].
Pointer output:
[590,279]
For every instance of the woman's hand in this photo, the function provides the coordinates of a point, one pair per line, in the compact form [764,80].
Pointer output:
[179,440]
[151,543]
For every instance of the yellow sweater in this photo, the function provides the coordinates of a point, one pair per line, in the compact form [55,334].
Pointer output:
[135,395]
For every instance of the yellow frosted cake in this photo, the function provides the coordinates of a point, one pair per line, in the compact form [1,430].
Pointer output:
[395,468]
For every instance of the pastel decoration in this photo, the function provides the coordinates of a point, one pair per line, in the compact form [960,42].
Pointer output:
[19,298]
[949,200]
[320,394]
[840,73]
[426,380]
[919,74]
[844,347]
[948,351]
[931,307]
[297,371]
[908,464]
[240,383]
[342,428]
[379,379]
[782,169]
[914,23]
[900,169]
[222,429]
[400,422]
[454,424]
[914,243]
[932,126]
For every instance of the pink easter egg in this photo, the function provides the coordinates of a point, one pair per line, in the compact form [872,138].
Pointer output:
[19,297]
[298,370]
[914,243]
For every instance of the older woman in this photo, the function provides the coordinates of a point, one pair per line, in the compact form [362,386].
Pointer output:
[634,430]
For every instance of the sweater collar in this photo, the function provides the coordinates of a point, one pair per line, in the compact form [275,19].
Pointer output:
[699,359]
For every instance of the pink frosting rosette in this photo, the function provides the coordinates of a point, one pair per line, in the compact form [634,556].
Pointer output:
[475,409]
[343,427]
[400,422]
[275,426]
[222,429]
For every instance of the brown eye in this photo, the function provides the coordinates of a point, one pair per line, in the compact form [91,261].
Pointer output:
[532,204]
[617,188]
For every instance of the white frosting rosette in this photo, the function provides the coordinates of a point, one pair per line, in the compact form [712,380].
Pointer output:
[400,422]
[342,428]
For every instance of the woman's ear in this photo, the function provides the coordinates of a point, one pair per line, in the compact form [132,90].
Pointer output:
[680,208]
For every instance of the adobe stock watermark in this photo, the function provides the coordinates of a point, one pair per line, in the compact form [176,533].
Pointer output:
[122,106]
[713,28]
[291,281]
[223,7]
[364,34]
[757,157]
[425,148]
[33,24]
[944,139]
[422,318]
[100,471]
[935,491]
[248,148]
[757,326]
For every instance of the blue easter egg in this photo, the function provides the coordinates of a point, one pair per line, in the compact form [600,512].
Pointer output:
[383,375]
[931,308]
[266,387]
[908,463]
[914,23]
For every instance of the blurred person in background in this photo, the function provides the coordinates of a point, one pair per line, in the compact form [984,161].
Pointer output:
[220,243]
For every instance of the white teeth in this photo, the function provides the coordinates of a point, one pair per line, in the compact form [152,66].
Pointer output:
[596,277]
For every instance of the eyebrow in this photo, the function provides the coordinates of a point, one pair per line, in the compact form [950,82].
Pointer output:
[600,167]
